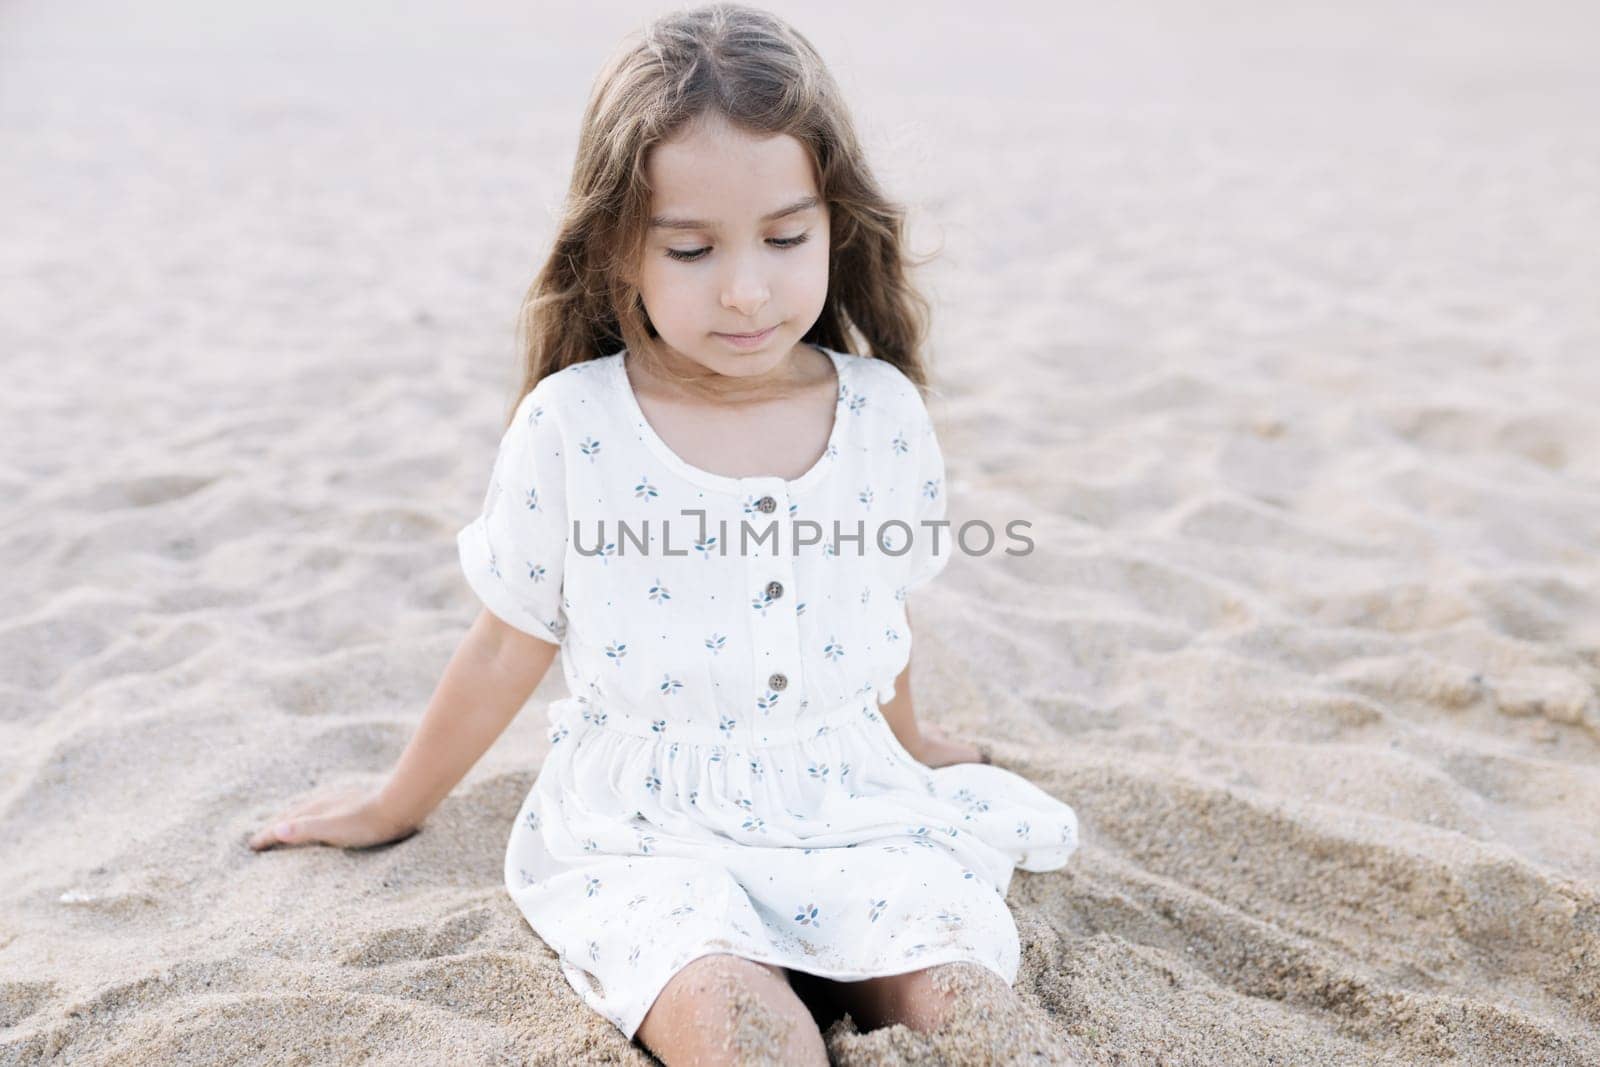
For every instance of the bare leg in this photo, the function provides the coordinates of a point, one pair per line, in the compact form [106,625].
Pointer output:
[923,1000]
[724,1009]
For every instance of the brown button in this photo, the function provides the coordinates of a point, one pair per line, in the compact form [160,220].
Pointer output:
[767,505]
[777,681]
[774,590]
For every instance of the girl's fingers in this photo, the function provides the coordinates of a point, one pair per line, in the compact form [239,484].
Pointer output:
[263,838]
[288,826]
[341,830]
[297,831]
[297,827]
[273,833]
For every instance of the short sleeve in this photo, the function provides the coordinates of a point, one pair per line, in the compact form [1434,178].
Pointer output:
[932,542]
[513,553]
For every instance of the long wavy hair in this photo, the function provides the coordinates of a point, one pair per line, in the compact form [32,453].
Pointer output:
[759,73]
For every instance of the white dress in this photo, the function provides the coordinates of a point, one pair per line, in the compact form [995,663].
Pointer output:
[721,779]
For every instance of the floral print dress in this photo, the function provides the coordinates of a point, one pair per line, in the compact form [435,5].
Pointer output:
[720,778]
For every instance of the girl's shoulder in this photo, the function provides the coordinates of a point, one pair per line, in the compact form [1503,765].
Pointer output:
[876,386]
[591,376]
[564,393]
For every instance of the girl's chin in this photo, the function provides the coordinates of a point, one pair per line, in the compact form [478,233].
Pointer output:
[759,361]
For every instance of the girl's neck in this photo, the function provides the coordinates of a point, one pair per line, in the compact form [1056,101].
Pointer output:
[681,378]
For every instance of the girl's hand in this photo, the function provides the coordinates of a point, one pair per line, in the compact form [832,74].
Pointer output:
[935,748]
[347,817]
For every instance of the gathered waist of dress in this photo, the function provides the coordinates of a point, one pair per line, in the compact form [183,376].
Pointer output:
[754,728]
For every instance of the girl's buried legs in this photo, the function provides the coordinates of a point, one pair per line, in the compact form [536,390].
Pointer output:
[724,1009]
[924,1000]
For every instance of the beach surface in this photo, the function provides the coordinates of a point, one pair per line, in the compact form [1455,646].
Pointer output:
[1279,324]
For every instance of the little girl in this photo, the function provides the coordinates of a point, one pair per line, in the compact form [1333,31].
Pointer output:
[716,524]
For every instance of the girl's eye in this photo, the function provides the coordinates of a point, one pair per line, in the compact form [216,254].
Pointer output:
[690,255]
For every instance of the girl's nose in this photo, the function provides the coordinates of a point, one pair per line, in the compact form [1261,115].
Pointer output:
[746,289]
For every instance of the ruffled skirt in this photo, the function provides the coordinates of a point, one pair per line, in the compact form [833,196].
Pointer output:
[829,850]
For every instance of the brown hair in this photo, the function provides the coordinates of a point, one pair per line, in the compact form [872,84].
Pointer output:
[750,67]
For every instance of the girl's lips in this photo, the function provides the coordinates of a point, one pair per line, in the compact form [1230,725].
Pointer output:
[747,340]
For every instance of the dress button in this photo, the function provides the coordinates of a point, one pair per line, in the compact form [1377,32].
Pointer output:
[767,504]
[774,590]
[777,681]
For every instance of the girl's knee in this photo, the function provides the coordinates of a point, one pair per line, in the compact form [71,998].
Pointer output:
[963,980]
[722,1008]
[929,999]
[923,999]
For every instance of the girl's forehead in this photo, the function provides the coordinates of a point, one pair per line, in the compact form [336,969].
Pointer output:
[708,172]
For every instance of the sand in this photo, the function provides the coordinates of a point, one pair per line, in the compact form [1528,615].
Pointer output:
[1278,323]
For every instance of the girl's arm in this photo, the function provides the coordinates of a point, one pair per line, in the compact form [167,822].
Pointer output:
[488,680]
[486,683]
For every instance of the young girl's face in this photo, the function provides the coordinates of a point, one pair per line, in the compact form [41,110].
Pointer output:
[737,244]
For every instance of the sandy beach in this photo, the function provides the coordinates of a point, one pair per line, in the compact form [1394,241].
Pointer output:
[1279,324]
